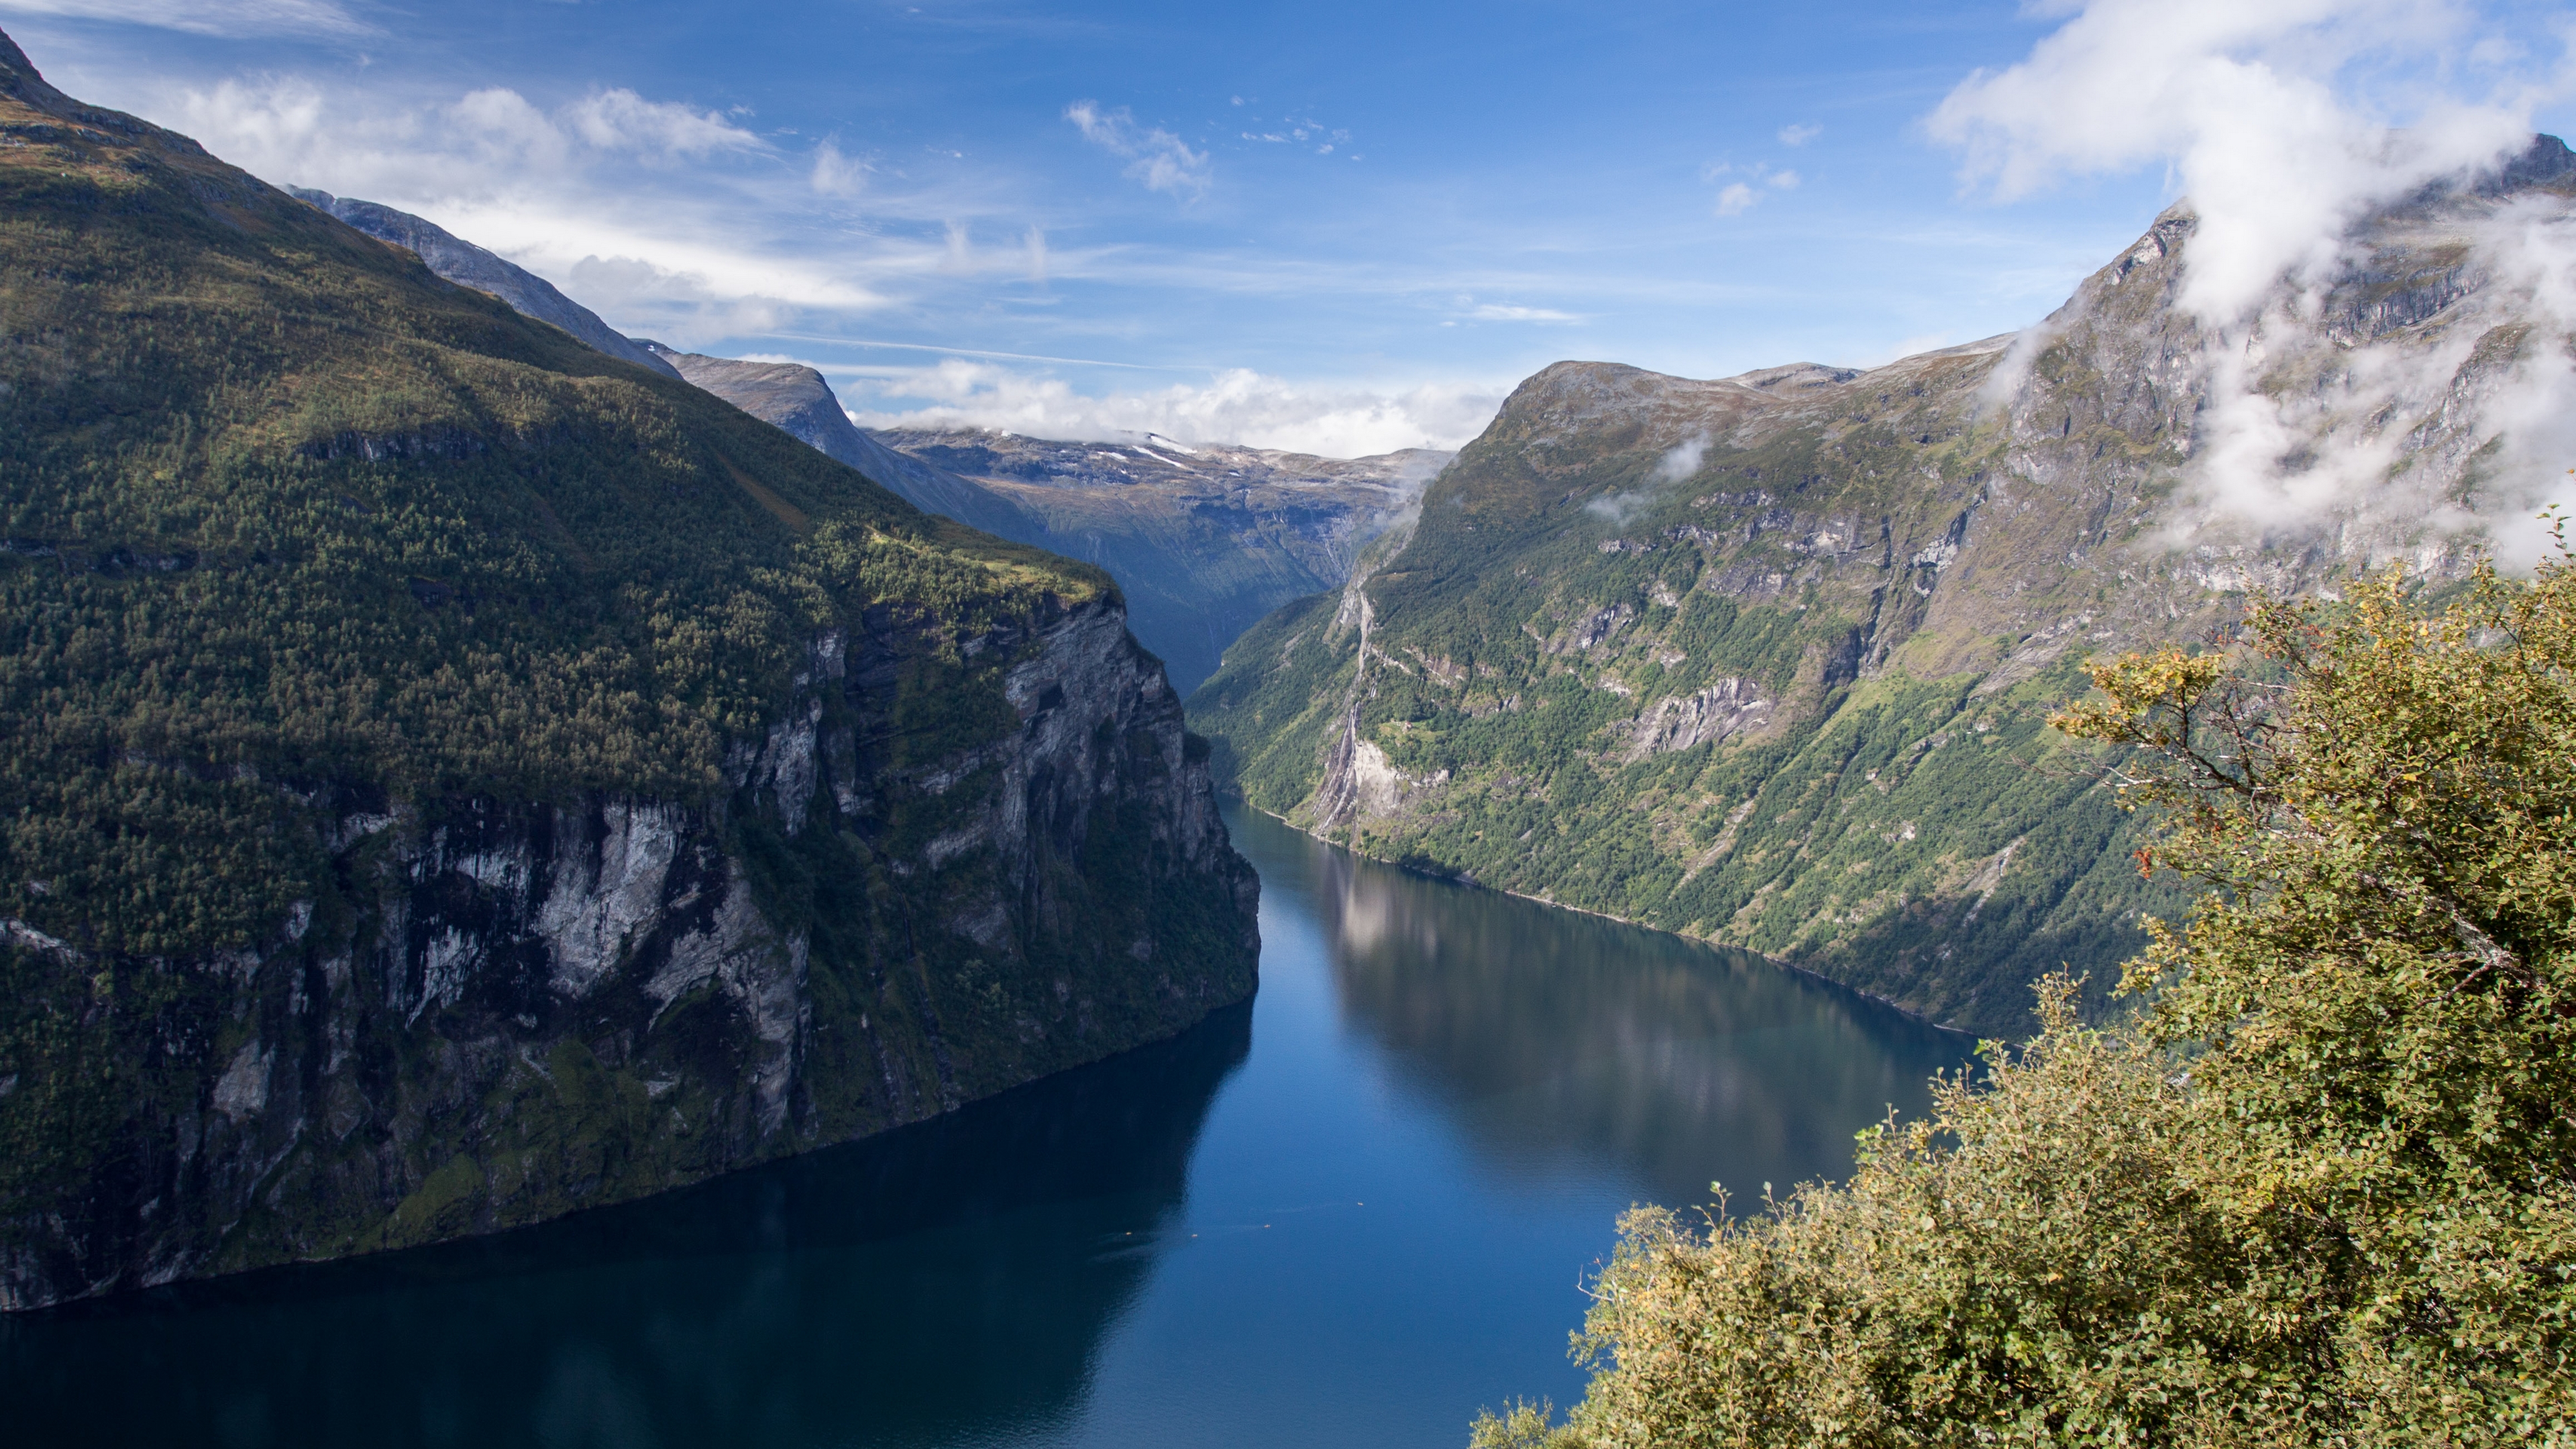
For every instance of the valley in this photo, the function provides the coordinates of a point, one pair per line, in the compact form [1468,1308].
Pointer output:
[1766,660]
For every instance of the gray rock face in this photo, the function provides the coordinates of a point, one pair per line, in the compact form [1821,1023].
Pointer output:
[1766,659]
[468,265]
[519,1011]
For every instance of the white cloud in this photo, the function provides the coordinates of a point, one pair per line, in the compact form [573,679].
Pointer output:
[2275,120]
[1159,159]
[1236,406]
[227,18]
[1736,199]
[582,194]
[1683,460]
[2240,101]
[620,120]
[1500,312]
[1618,508]
[1799,135]
[835,174]
[1782,180]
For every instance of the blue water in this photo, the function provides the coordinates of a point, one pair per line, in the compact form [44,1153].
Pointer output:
[1350,1213]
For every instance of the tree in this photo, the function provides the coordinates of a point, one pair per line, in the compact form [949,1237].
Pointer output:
[2319,1189]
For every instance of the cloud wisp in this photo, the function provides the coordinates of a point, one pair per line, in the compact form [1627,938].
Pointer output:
[1738,197]
[2285,126]
[622,199]
[227,19]
[1237,406]
[1158,159]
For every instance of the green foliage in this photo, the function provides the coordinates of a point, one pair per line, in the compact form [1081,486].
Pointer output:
[1883,803]
[1916,839]
[2322,1190]
[282,508]
[292,530]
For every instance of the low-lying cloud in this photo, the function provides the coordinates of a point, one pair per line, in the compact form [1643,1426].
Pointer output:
[1237,406]
[2275,121]
[1683,460]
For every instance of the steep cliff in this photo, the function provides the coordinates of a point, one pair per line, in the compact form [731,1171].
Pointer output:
[1765,659]
[453,777]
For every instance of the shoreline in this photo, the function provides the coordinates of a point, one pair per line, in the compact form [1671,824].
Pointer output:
[1474,884]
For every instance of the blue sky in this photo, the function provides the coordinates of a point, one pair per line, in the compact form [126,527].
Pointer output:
[1337,226]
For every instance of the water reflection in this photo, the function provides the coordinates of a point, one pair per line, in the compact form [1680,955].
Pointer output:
[1552,1035]
[1355,1236]
[947,1284]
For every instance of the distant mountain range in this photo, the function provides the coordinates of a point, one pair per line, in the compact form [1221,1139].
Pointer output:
[1765,659]
[1203,541]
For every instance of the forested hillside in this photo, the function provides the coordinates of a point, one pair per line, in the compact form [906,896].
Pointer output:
[449,776]
[1766,660]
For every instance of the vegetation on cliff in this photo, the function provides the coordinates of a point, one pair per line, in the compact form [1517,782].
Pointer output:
[1725,705]
[344,612]
[282,505]
[2322,1188]
[1765,660]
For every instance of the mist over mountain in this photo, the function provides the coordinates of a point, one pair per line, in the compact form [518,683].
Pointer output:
[1765,659]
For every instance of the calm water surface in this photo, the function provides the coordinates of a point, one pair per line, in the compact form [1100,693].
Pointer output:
[1350,1213]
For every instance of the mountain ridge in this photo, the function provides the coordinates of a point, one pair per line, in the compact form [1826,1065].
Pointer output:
[1765,659]
[451,777]
[466,264]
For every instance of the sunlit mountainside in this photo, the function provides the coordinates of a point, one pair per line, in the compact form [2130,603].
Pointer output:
[1765,660]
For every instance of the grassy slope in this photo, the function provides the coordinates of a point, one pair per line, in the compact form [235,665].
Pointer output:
[279,501]
[1861,831]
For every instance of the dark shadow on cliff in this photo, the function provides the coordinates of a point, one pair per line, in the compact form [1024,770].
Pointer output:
[946,1282]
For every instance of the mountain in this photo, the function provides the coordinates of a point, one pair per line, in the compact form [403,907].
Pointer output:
[1765,660]
[468,265]
[451,776]
[1204,540]
[795,397]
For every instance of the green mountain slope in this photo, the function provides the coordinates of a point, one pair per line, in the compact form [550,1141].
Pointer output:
[1764,660]
[450,776]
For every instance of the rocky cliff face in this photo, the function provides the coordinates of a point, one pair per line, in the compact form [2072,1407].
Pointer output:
[512,1010]
[1765,659]
[450,777]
